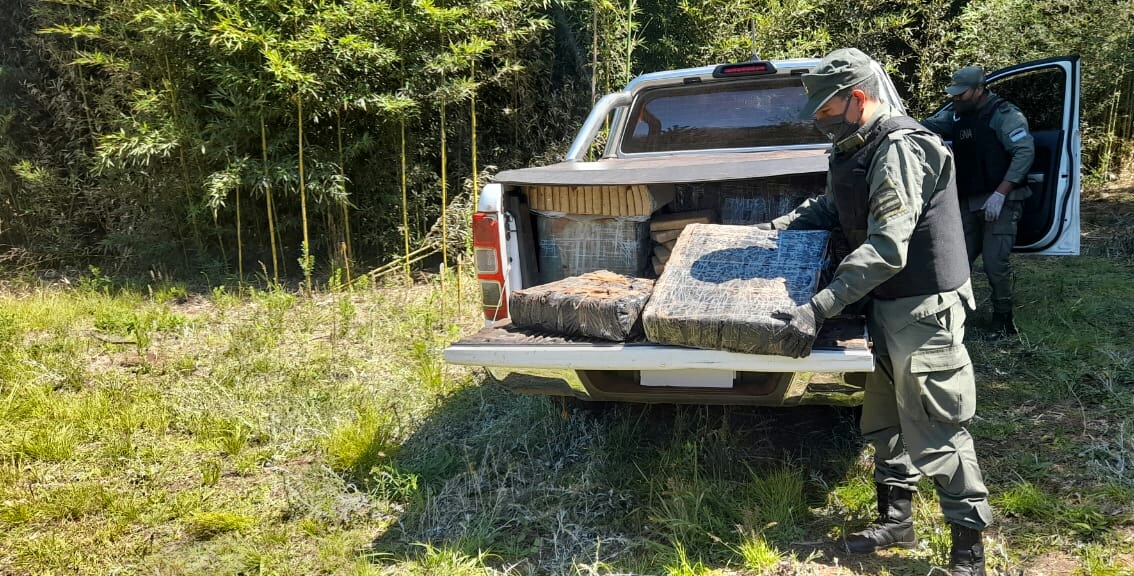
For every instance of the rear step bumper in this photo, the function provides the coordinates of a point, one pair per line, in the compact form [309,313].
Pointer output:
[652,357]
[531,363]
[841,347]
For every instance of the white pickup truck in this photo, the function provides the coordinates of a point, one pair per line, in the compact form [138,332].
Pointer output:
[698,136]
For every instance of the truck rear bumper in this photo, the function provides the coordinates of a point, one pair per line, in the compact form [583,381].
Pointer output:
[594,370]
[652,357]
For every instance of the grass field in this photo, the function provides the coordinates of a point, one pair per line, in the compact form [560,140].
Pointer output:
[146,429]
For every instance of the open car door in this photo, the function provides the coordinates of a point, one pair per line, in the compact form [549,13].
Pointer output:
[1047,92]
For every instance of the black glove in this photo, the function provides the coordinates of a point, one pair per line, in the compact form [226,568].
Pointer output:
[764,226]
[798,333]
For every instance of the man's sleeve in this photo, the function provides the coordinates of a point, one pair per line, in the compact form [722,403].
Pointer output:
[896,177]
[816,213]
[1012,129]
[940,123]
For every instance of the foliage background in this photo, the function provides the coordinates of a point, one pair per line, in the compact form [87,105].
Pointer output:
[150,133]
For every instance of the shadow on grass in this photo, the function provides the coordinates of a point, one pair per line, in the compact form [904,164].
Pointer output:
[548,486]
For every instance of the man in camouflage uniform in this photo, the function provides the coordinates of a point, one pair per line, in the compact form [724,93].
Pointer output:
[993,151]
[890,189]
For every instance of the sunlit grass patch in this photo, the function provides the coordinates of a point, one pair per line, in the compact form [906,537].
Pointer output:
[361,443]
[445,560]
[213,523]
[681,564]
[1099,560]
[1026,500]
[756,553]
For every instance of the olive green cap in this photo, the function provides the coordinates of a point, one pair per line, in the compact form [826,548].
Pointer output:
[965,78]
[837,71]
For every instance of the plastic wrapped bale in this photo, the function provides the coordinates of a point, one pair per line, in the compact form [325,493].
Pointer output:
[570,245]
[723,283]
[756,209]
[595,305]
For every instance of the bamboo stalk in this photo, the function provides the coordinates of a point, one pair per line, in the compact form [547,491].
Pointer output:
[346,247]
[629,36]
[176,111]
[472,113]
[594,52]
[444,202]
[405,203]
[239,245]
[303,198]
[414,256]
[268,200]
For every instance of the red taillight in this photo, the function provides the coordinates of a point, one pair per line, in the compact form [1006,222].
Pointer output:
[489,265]
[744,69]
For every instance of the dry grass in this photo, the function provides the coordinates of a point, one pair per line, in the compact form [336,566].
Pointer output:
[154,431]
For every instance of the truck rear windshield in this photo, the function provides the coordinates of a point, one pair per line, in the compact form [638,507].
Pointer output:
[746,114]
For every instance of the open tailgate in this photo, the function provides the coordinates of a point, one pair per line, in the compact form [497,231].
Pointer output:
[840,347]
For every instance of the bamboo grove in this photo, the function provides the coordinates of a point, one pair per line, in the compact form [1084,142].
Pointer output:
[289,138]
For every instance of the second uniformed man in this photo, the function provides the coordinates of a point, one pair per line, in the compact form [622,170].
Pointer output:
[993,150]
[890,189]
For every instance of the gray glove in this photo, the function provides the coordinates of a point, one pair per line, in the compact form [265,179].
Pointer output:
[798,333]
[992,207]
[765,226]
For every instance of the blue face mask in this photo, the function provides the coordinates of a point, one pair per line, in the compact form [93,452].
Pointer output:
[837,128]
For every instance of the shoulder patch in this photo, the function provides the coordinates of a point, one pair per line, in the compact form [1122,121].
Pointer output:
[1018,134]
[886,204]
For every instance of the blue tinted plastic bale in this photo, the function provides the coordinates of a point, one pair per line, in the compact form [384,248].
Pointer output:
[570,245]
[722,284]
[754,210]
[594,305]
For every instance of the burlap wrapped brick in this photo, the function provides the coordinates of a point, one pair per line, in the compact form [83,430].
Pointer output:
[722,284]
[595,305]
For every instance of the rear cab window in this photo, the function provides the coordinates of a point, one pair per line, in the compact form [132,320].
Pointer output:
[720,115]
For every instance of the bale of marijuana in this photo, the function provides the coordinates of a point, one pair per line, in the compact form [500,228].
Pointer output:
[722,283]
[599,304]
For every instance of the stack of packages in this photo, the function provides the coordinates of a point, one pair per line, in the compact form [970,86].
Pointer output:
[594,305]
[587,228]
[664,231]
[723,283]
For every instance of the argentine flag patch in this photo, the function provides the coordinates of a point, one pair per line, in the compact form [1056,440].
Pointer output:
[1018,134]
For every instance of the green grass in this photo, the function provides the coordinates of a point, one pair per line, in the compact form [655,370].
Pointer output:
[153,429]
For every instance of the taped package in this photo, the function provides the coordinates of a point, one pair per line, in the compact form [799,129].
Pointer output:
[570,245]
[595,305]
[722,283]
[618,200]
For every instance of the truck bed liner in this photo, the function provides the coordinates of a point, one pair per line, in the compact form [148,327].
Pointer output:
[836,334]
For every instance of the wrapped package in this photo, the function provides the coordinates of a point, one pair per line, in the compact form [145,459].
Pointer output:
[595,305]
[570,245]
[722,283]
[742,210]
[621,200]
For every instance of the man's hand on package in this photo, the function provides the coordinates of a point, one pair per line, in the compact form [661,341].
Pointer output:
[992,207]
[798,333]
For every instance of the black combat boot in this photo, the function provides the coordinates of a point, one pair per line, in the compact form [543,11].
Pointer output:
[966,558]
[1002,323]
[894,526]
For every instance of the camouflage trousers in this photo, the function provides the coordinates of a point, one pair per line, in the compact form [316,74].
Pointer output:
[994,241]
[919,398]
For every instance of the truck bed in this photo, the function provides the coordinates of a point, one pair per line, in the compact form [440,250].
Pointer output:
[837,333]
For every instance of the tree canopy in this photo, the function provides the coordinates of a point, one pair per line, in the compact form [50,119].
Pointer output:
[201,134]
